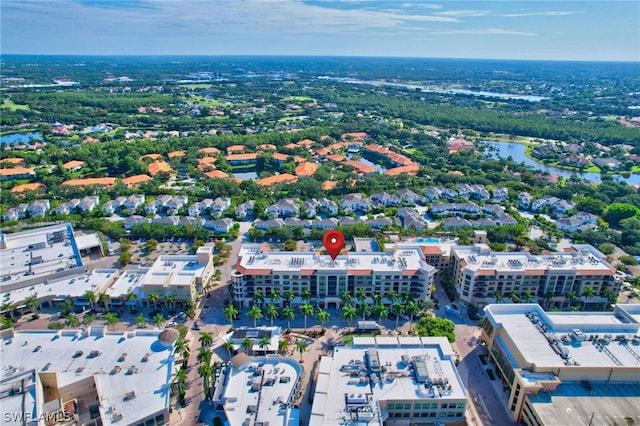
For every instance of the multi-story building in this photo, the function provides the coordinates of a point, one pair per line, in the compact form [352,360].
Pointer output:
[375,273]
[437,253]
[391,381]
[579,274]
[566,368]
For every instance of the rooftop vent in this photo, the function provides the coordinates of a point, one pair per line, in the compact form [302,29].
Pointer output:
[129,396]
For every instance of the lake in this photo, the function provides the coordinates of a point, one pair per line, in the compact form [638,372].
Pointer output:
[19,138]
[517,152]
[246,176]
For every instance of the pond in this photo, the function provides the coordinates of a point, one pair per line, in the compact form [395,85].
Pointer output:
[517,153]
[246,176]
[20,138]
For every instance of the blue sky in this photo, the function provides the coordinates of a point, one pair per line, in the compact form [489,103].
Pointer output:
[523,29]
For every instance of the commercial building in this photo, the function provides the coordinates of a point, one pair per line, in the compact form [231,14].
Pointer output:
[260,391]
[581,273]
[567,368]
[391,381]
[263,339]
[85,377]
[258,269]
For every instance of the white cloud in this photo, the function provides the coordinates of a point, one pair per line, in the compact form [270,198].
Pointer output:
[487,31]
[464,13]
[547,13]
[423,5]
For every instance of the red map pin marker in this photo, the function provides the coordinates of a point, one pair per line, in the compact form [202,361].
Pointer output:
[333,241]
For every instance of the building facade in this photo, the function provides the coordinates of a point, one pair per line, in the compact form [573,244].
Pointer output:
[258,269]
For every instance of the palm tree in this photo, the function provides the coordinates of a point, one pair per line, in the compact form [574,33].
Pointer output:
[170,299]
[91,297]
[588,293]
[258,298]
[345,297]
[230,313]
[112,319]
[323,317]
[527,297]
[104,298]
[301,346]
[206,338]
[204,371]
[289,314]
[31,303]
[571,297]
[158,320]
[349,313]
[498,296]
[398,309]
[130,298]
[153,298]
[141,321]
[265,342]
[254,314]
[407,297]
[377,299]
[381,312]
[610,295]
[364,310]
[412,309]
[181,346]
[305,295]
[204,356]
[181,383]
[361,295]
[272,313]
[515,298]
[88,319]
[274,295]
[306,310]
[283,346]
[289,295]
[72,320]
[392,296]
[548,296]
[247,344]
[9,307]
[228,345]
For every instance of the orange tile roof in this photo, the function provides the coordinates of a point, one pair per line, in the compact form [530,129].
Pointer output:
[281,178]
[209,151]
[404,170]
[217,174]
[28,187]
[207,160]
[14,160]
[361,167]
[336,157]
[159,166]
[291,146]
[455,173]
[15,171]
[106,182]
[73,164]
[305,143]
[431,250]
[136,180]
[354,136]
[393,156]
[266,147]
[236,148]
[240,157]
[329,184]
[279,156]
[151,156]
[306,168]
[177,154]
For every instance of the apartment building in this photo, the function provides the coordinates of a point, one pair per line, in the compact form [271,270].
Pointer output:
[579,274]
[566,368]
[375,273]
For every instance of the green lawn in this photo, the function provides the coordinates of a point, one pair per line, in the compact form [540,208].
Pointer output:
[197,85]
[11,106]
[201,100]
[302,99]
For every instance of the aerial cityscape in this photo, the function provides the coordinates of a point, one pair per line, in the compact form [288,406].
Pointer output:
[337,212]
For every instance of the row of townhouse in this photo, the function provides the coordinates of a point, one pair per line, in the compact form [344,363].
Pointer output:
[168,203]
[221,226]
[132,202]
[214,208]
[526,201]
[37,208]
[477,192]
[84,205]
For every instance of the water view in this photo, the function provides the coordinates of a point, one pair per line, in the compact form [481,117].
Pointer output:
[19,138]
[517,153]
[246,176]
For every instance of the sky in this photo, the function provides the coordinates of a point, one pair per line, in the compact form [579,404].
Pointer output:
[522,29]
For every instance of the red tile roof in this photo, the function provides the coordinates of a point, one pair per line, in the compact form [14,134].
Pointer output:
[306,168]
[281,178]
[240,157]
[135,180]
[28,187]
[105,181]
[216,174]
[159,166]
[404,170]
[73,164]
[361,168]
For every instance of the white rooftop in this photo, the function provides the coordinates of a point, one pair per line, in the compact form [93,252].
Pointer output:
[87,241]
[70,354]
[261,390]
[128,281]
[174,270]
[253,259]
[545,339]
[347,377]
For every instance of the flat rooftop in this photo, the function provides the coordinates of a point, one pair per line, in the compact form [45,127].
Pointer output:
[545,338]
[415,369]
[145,368]
[37,254]
[174,270]
[260,390]
[128,281]
[583,260]
[69,286]
[254,261]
